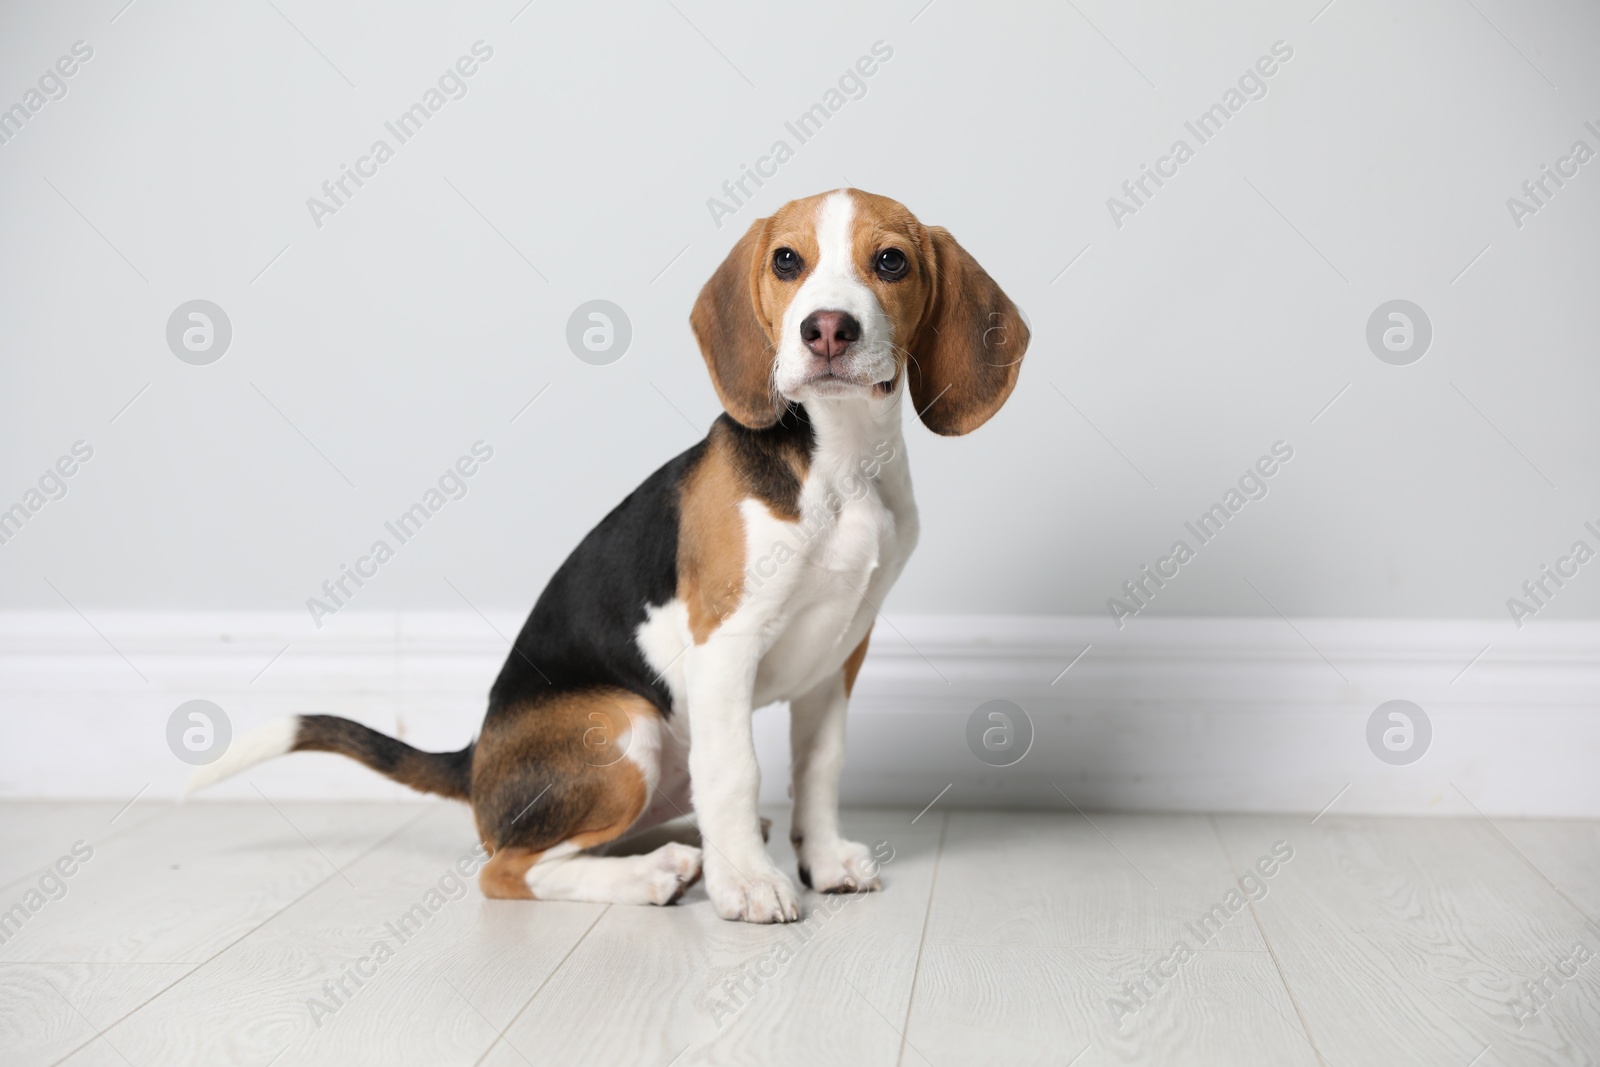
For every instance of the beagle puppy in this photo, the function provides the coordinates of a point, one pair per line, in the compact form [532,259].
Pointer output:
[747,570]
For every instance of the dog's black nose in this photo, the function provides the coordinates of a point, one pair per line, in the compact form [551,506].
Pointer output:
[829,333]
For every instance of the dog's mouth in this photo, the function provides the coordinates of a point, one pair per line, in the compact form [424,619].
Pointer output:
[829,384]
[840,379]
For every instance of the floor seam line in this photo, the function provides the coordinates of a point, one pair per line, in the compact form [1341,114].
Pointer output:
[535,996]
[927,917]
[1277,966]
[1512,845]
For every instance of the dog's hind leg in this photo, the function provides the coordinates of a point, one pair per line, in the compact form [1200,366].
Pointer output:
[658,877]
[560,777]
[567,873]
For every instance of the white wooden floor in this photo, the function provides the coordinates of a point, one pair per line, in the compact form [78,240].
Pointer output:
[198,934]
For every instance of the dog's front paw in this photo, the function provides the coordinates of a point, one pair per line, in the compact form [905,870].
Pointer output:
[760,895]
[842,867]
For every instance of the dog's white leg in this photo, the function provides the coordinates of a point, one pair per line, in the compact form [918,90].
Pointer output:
[828,863]
[658,877]
[741,879]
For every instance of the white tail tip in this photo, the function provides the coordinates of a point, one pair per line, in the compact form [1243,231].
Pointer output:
[273,739]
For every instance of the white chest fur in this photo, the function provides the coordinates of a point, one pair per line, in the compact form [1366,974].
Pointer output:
[812,587]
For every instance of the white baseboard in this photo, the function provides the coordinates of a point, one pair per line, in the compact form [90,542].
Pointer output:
[1167,714]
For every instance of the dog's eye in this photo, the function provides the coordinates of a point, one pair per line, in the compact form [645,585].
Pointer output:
[891,264]
[786,263]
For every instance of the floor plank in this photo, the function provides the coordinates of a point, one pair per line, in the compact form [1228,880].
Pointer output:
[1565,851]
[832,989]
[1045,927]
[259,992]
[1068,880]
[179,888]
[46,1008]
[1406,941]
[35,834]
[1025,1006]
[208,933]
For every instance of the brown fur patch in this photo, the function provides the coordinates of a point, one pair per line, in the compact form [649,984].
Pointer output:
[711,538]
[971,346]
[881,224]
[794,226]
[505,876]
[552,771]
[735,341]
[852,666]
[738,464]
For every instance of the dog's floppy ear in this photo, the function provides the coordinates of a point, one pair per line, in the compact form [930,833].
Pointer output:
[733,337]
[969,347]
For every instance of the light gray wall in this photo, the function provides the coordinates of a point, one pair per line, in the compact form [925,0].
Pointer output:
[1219,319]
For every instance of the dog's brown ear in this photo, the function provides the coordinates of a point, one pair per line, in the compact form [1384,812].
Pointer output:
[733,338]
[970,346]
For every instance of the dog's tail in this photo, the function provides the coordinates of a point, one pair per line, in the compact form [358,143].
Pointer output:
[449,774]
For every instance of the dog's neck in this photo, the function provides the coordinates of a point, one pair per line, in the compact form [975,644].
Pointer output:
[848,430]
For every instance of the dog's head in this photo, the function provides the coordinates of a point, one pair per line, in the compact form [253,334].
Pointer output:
[840,294]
